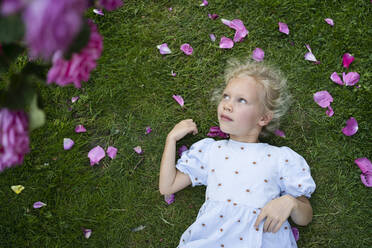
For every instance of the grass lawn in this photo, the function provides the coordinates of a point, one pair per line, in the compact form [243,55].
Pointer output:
[132,88]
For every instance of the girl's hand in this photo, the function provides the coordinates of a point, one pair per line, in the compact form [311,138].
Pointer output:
[182,129]
[276,213]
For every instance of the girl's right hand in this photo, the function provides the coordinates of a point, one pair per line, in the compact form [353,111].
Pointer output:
[182,129]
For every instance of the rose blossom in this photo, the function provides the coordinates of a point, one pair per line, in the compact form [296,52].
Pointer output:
[110,5]
[14,140]
[52,25]
[78,68]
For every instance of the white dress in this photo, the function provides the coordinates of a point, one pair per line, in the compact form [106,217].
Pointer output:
[241,178]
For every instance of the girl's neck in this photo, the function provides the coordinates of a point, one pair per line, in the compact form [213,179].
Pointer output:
[245,139]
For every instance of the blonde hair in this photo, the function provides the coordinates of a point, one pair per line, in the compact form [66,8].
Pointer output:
[276,98]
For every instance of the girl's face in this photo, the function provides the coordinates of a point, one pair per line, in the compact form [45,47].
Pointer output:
[241,112]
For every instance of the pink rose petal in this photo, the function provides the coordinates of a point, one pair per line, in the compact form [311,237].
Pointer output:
[181,150]
[170,8]
[204,3]
[279,133]
[364,164]
[336,78]
[216,131]
[329,111]
[173,73]
[347,59]
[74,99]
[351,127]
[329,21]
[187,49]
[148,130]
[238,26]
[96,154]
[213,16]
[350,78]
[68,143]
[39,204]
[283,27]
[164,49]
[80,129]
[169,198]
[310,56]
[98,12]
[213,37]
[87,233]
[226,43]
[138,149]
[323,98]
[258,54]
[111,152]
[366,179]
[296,233]
[179,99]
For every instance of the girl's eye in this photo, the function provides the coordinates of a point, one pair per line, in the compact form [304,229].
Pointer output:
[242,100]
[225,96]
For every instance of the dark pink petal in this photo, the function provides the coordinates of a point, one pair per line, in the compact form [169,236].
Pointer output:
[179,99]
[173,73]
[329,111]
[204,3]
[138,149]
[351,127]
[279,133]
[169,199]
[296,233]
[238,26]
[213,37]
[364,164]
[258,54]
[216,131]
[68,143]
[336,78]
[98,12]
[80,129]
[164,49]
[96,154]
[74,99]
[187,49]
[213,16]
[347,59]
[111,152]
[323,98]
[181,150]
[283,27]
[350,78]
[39,204]
[366,179]
[329,21]
[87,233]
[226,43]
[148,129]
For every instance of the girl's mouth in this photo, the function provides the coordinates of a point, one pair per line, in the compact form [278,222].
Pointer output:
[225,118]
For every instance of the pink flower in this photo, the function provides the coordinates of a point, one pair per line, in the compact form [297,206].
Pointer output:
[347,59]
[96,154]
[181,150]
[226,43]
[169,199]
[216,131]
[279,133]
[78,68]
[187,49]
[329,21]
[148,130]
[351,127]
[164,49]
[14,139]
[324,99]
[283,28]
[258,54]
[179,100]
[238,26]
[296,233]
[52,25]
[110,5]
[111,152]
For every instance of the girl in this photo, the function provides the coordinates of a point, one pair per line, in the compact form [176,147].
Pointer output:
[252,187]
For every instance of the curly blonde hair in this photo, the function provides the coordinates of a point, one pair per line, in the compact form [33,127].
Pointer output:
[276,98]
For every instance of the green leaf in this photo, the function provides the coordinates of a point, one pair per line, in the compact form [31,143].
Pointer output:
[80,41]
[12,29]
[36,115]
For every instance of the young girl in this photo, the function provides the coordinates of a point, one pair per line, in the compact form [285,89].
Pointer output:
[252,187]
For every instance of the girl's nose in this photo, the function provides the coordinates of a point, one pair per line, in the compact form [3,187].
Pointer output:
[227,107]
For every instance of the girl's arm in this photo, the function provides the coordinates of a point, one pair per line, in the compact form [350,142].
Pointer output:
[278,210]
[172,180]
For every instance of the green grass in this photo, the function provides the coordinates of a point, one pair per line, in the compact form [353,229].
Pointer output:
[132,88]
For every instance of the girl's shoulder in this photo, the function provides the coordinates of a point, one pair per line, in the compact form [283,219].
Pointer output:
[283,152]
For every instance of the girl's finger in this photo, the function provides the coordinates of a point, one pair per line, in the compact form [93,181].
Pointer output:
[260,217]
[267,224]
[278,225]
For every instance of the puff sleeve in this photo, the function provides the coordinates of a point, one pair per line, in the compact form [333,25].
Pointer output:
[295,177]
[194,162]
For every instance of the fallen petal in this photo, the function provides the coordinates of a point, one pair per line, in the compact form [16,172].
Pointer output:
[179,99]
[39,204]
[336,78]
[80,129]
[283,27]
[329,21]
[329,111]
[347,59]
[215,131]
[364,164]
[213,16]
[351,127]
[323,98]
[366,179]
[148,130]
[170,8]
[204,3]
[350,78]
[68,143]
[74,99]
[213,37]
[173,74]
[238,26]
[310,56]
[187,49]
[138,149]
[87,233]
[296,233]
[181,150]
[17,188]
[169,199]
[226,43]
[279,133]
[164,49]
[258,54]
[98,12]
[111,152]
[96,154]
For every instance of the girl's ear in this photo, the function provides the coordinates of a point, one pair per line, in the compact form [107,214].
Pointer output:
[265,119]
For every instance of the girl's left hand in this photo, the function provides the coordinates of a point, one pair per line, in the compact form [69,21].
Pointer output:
[276,213]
